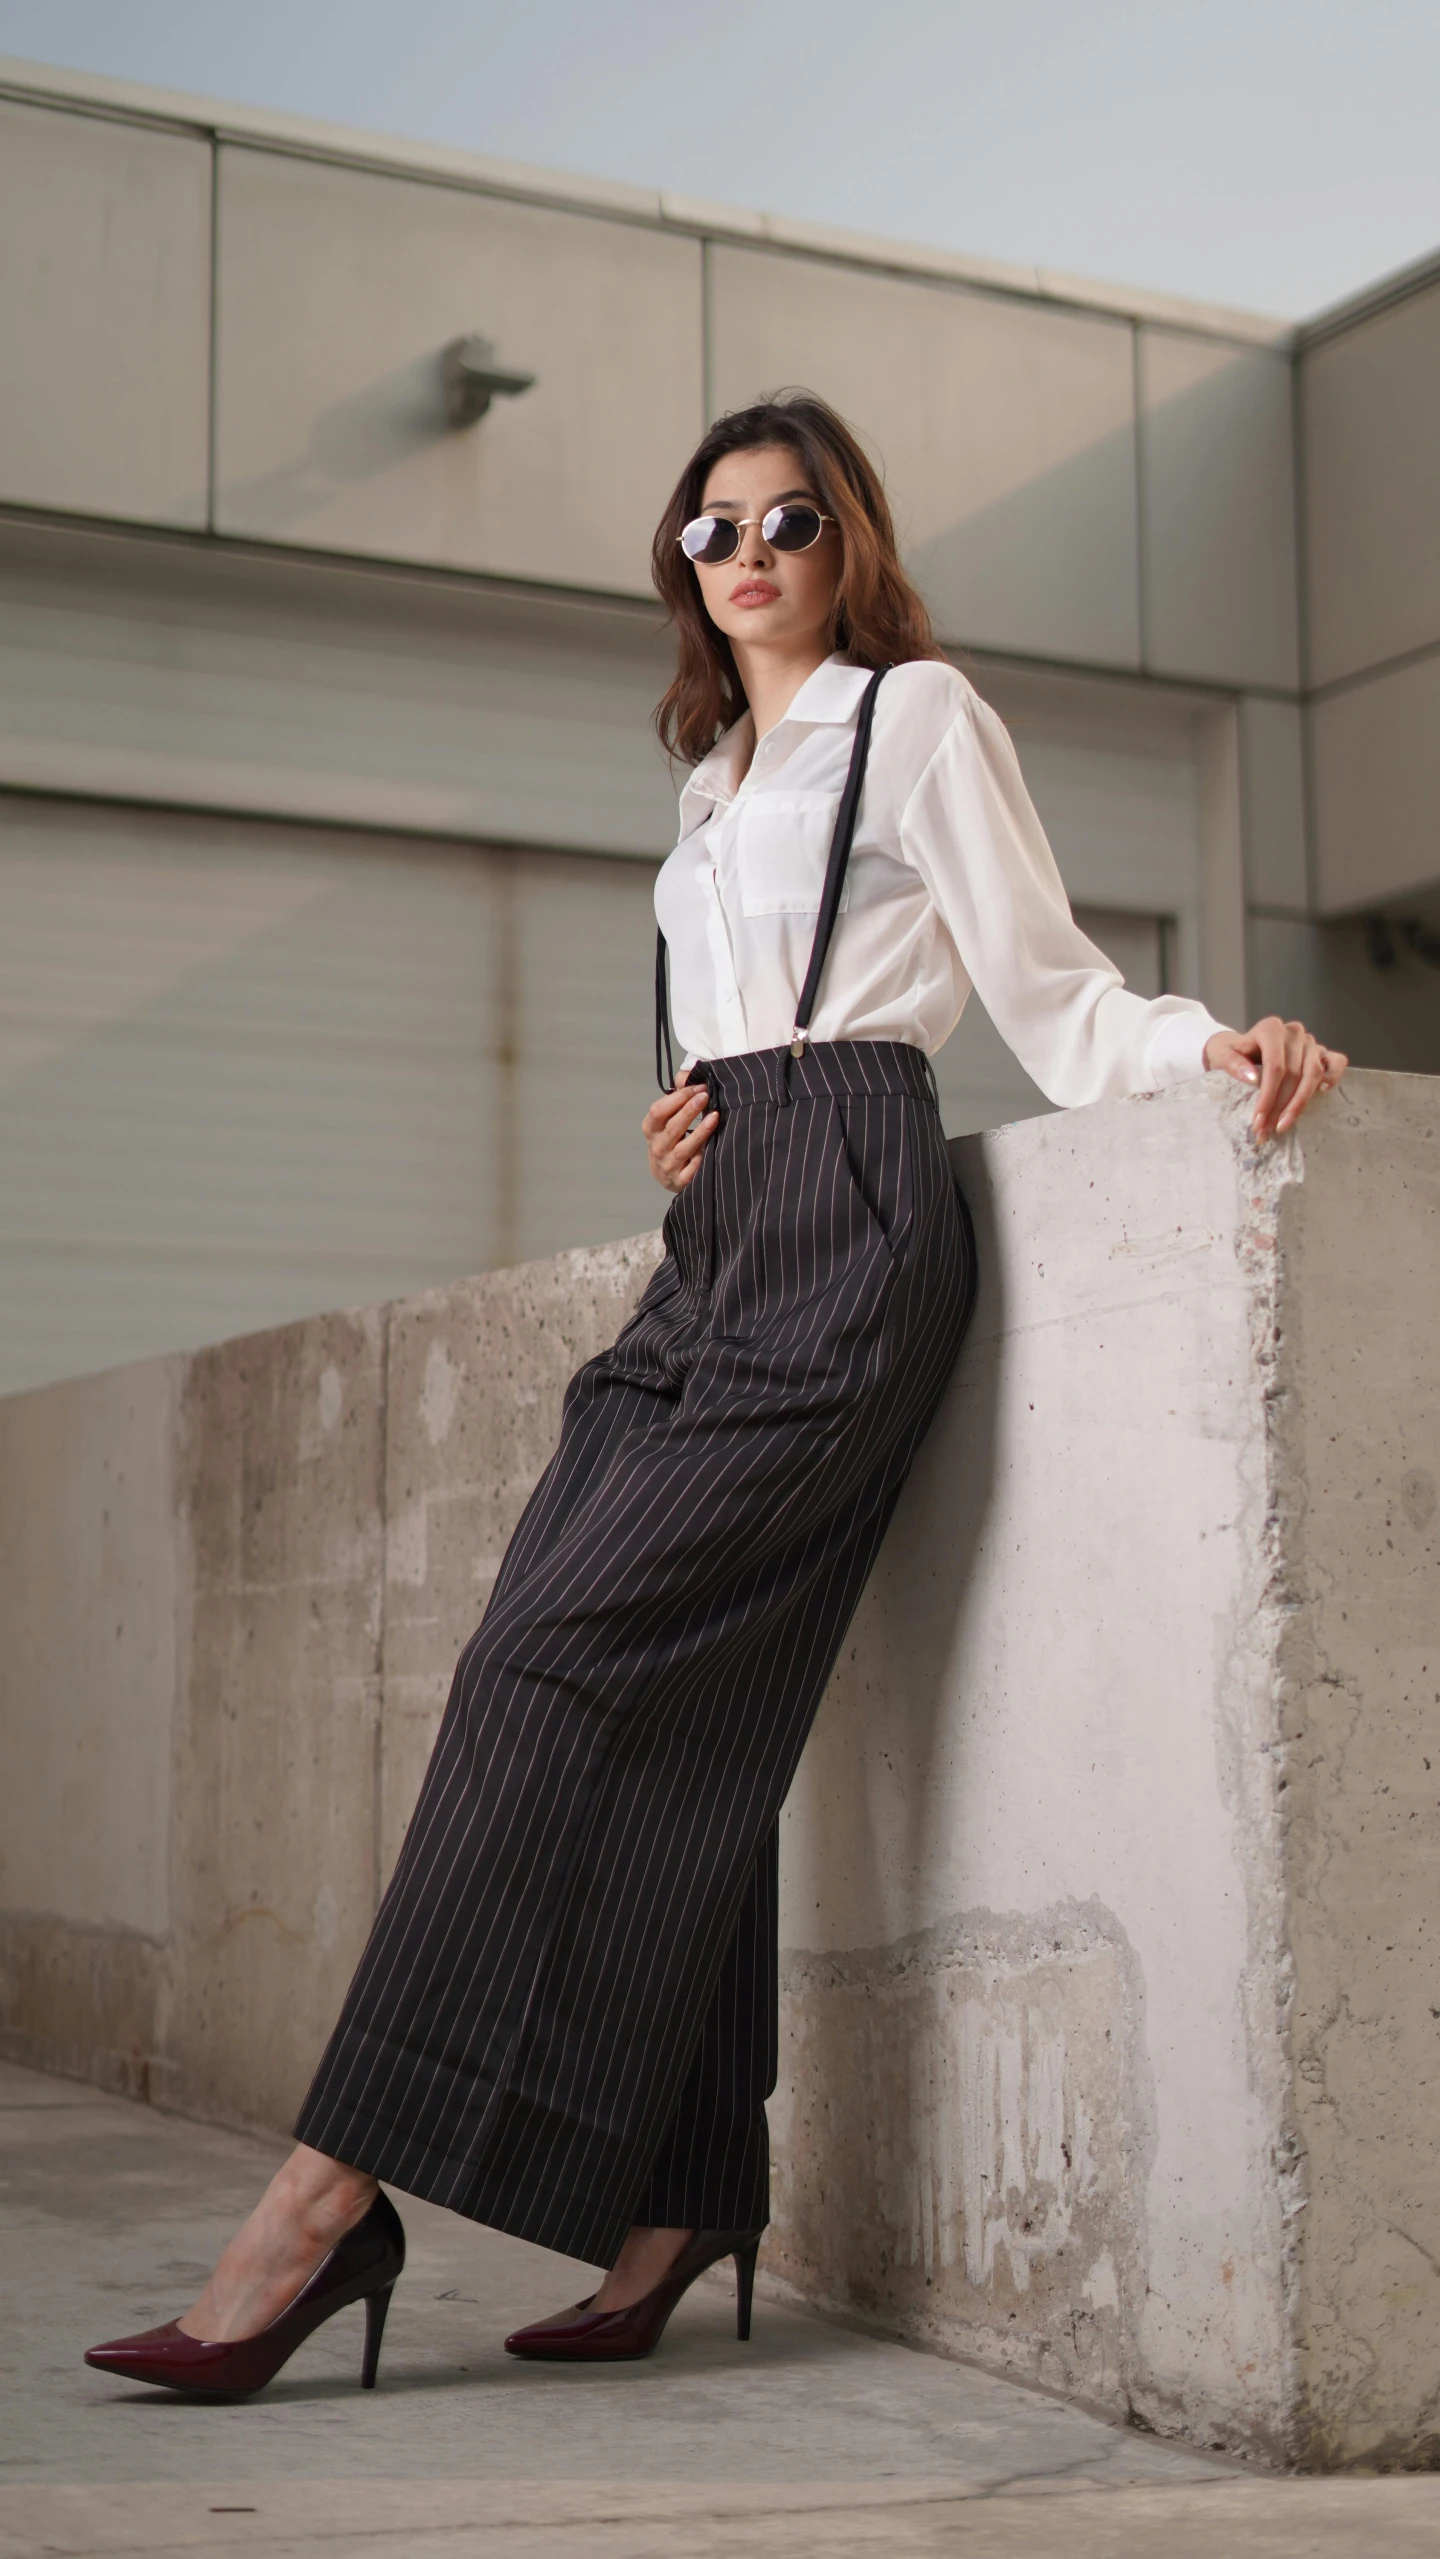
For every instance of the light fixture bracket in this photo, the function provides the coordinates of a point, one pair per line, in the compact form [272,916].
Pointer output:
[472,379]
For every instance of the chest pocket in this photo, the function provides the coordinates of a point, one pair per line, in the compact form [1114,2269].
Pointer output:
[781,851]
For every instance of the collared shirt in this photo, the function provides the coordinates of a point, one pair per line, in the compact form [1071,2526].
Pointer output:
[951,884]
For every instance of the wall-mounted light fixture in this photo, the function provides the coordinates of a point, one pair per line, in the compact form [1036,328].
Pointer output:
[473,378]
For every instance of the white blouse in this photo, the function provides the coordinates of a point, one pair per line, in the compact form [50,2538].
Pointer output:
[951,884]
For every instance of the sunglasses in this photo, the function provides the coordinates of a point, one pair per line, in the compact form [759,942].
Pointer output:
[713,538]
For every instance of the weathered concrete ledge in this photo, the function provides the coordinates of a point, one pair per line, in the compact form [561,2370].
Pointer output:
[1110,1877]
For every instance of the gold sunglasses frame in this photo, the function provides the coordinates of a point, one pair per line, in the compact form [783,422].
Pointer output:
[742,524]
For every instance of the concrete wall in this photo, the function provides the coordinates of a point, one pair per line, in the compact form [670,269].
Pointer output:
[1108,1875]
[1113,1859]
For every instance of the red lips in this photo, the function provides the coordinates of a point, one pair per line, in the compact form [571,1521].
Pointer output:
[754,591]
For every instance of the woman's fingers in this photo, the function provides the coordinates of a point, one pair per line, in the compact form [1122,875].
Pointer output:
[1309,1082]
[668,1106]
[1270,1035]
[1298,1043]
[686,1160]
[680,1133]
[1320,1073]
[680,1162]
[676,1128]
[1292,1068]
[690,1140]
[669,1113]
[1239,1063]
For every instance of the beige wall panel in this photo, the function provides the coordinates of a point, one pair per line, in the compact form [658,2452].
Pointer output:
[1272,797]
[1370,425]
[1007,435]
[338,291]
[104,317]
[184,675]
[1217,488]
[1375,761]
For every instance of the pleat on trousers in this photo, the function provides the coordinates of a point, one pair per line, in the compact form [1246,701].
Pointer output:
[564,2019]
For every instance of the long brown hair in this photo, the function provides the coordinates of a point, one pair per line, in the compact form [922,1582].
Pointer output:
[878,619]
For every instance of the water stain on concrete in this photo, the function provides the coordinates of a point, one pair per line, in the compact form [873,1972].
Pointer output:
[963,2141]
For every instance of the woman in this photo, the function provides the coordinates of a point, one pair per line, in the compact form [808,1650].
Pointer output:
[564,2021]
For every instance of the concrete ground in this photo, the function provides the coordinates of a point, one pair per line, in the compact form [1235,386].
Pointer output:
[812,2439]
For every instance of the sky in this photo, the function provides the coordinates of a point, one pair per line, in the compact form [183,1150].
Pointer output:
[1272,154]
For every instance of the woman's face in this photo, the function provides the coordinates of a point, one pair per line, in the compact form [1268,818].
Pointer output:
[764,598]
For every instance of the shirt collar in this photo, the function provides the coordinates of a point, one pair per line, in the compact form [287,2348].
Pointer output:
[829,697]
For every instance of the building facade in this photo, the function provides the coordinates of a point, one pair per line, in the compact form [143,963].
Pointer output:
[329,804]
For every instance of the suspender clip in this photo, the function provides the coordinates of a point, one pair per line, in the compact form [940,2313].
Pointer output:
[797,1042]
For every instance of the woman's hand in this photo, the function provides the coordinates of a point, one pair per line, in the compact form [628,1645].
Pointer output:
[675,1136]
[1285,1060]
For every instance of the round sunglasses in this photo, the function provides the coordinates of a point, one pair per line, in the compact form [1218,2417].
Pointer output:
[713,538]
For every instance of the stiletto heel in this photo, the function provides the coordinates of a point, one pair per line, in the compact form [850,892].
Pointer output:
[745,2287]
[583,2335]
[364,2266]
[376,2306]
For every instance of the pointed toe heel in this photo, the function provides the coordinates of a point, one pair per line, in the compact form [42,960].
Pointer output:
[585,2335]
[364,2266]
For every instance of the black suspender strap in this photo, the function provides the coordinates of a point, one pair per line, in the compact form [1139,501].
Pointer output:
[664,1074]
[840,843]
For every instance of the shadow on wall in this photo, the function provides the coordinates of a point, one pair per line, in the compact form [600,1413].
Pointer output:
[366,433]
[1052,564]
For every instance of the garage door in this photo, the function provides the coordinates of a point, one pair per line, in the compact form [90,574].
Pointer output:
[248,1072]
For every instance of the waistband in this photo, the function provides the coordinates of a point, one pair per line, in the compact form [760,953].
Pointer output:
[772,1075]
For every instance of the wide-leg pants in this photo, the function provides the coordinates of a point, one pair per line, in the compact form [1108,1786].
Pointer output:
[564,2020]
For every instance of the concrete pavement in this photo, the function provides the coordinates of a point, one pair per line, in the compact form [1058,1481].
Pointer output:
[811,2439]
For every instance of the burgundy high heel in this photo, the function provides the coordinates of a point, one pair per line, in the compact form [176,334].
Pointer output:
[583,2335]
[364,2266]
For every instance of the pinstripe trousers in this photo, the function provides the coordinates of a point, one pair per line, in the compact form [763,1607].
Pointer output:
[564,2020]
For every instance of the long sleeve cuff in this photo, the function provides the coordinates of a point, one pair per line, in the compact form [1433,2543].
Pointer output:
[1176,1047]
